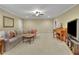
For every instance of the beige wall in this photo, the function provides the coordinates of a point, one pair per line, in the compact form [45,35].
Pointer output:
[69,15]
[16,19]
[42,26]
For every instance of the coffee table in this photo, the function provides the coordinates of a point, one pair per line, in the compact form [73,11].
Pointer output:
[28,37]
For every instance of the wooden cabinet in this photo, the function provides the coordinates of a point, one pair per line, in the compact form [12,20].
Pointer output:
[1,46]
[60,33]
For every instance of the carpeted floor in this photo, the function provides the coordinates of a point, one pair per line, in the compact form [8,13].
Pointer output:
[44,44]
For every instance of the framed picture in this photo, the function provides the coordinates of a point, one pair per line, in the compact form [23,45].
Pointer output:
[8,22]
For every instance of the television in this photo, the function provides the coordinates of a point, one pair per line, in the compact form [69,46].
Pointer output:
[72,28]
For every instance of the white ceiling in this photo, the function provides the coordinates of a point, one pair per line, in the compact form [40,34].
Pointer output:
[23,10]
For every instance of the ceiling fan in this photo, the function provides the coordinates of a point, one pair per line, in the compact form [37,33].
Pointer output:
[37,12]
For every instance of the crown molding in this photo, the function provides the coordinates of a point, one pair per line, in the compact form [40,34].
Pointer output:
[13,13]
[2,8]
[65,10]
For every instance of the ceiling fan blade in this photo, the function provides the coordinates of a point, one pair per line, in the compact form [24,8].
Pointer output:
[41,14]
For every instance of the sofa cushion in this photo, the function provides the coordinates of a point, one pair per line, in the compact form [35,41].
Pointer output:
[12,34]
[14,38]
[3,34]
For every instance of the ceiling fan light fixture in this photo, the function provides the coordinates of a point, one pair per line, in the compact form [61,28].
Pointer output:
[37,12]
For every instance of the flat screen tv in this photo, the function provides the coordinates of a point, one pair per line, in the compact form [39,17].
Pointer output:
[72,28]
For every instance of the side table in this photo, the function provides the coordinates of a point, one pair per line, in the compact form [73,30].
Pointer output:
[2,46]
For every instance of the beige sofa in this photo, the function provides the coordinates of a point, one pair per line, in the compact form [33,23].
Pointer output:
[10,42]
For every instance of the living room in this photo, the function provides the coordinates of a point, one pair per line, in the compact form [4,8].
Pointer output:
[37,28]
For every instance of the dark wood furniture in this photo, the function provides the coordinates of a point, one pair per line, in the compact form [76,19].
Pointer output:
[28,37]
[2,48]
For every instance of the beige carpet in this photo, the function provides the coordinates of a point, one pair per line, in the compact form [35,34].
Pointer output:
[44,44]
